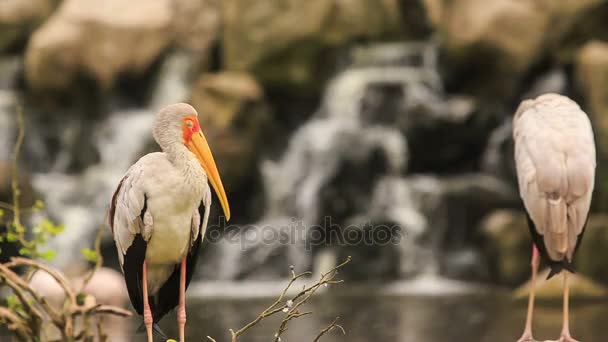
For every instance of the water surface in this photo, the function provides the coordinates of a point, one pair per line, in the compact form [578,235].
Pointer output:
[370,317]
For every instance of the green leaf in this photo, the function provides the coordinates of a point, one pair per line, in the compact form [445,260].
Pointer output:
[20,229]
[89,254]
[39,204]
[11,237]
[25,252]
[48,255]
[1,238]
[171,340]
[1,212]
[12,301]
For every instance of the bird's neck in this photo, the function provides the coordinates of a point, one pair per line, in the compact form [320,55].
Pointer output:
[187,164]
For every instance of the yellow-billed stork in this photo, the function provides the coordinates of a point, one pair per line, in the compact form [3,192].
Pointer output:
[159,214]
[555,161]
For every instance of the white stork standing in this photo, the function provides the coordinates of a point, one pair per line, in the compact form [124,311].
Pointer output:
[159,213]
[555,159]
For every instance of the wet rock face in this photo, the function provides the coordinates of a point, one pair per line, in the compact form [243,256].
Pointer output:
[280,53]
[236,121]
[504,39]
[592,77]
[507,246]
[100,41]
[590,258]
[19,17]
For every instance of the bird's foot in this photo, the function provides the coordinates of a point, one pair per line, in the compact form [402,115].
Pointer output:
[526,337]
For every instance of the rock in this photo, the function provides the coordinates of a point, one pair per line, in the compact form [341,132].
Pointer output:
[19,17]
[235,119]
[551,290]
[505,38]
[591,80]
[196,24]
[99,41]
[589,259]
[507,246]
[105,287]
[279,53]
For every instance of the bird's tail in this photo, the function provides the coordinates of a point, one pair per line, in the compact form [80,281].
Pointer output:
[155,327]
[558,266]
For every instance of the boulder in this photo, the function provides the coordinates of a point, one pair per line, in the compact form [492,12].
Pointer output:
[19,17]
[235,120]
[283,43]
[551,290]
[589,259]
[507,246]
[196,24]
[503,38]
[591,82]
[98,41]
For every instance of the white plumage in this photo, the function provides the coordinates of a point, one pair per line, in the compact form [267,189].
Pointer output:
[173,198]
[155,215]
[555,159]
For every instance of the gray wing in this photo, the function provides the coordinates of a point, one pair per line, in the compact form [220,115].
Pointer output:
[127,216]
[555,160]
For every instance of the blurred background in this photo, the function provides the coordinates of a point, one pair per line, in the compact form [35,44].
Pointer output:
[332,115]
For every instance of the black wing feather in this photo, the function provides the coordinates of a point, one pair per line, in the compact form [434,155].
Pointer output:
[556,265]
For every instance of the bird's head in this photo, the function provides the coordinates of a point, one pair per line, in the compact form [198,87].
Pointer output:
[177,126]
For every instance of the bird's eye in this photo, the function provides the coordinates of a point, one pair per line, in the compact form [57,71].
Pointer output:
[189,123]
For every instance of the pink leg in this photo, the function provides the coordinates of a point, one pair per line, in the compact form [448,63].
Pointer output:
[565,336]
[181,311]
[527,335]
[148,321]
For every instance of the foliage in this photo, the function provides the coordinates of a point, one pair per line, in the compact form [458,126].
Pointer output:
[26,311]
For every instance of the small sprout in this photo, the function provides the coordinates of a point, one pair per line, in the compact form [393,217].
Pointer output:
[285,309]
[11,237]
[89,254]
[325,284]
[289,303]
[20,229]
[48,255]
[39,204]
[291,268]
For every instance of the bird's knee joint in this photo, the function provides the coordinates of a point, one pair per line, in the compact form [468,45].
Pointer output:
[181,316]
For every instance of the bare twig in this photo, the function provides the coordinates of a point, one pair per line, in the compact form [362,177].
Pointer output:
[98,262]
[329,328]
[291,306]
[15,167]
[306,293]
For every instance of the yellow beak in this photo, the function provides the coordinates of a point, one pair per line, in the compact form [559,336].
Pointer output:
[198,145]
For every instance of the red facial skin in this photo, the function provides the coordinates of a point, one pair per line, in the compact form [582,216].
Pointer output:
[189,131]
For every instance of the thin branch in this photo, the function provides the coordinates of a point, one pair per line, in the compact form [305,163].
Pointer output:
[329,328]
[291,306]
[99,261]
[15,167]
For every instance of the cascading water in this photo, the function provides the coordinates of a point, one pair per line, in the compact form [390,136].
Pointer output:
[80,201]
[306,186]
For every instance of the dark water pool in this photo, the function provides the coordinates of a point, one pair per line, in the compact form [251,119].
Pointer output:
[488,317]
